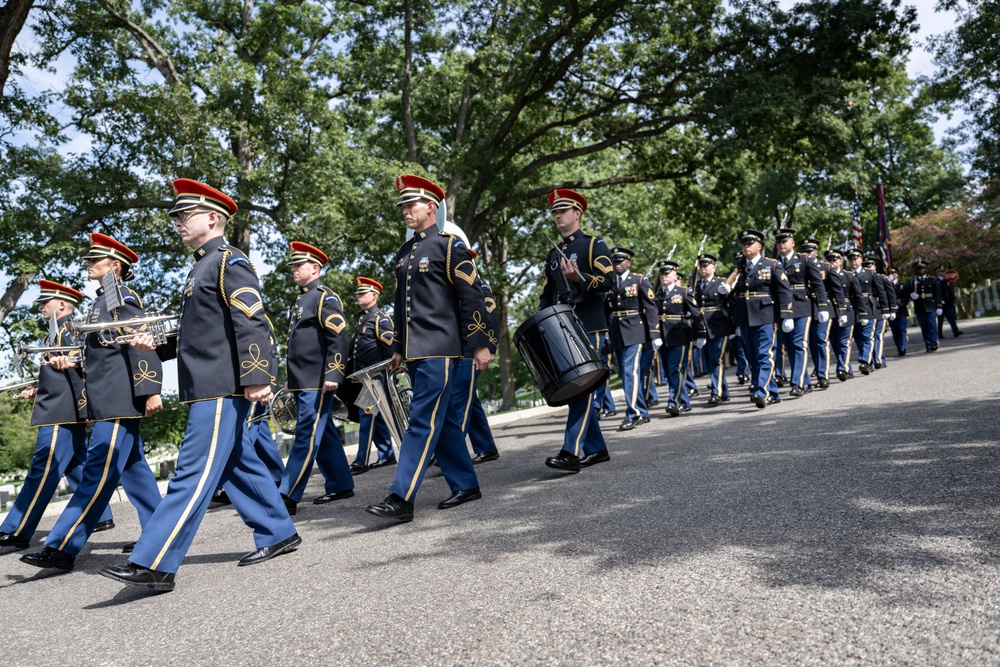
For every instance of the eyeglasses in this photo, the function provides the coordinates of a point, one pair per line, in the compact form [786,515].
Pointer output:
[184,216]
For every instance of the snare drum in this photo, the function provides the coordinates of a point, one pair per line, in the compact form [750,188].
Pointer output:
[559,355]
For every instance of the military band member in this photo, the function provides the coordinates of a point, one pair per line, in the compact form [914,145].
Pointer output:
[632,319]
[439,308]
[581,280]
[887,311]
[947,305]
[474,421]
[718,326]
[928,305]
[869,309]
[680,323]
[760,294]
[804,279]
[223,350]
[819,331]
[845,291]
[897,325]
[371,344]
[121,386]
[316,360]
[59,412]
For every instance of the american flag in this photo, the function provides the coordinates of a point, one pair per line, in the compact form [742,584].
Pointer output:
[857,220]
[884,241]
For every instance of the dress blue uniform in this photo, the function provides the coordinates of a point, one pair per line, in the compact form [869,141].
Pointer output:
[845,294]
[632,317]
[475,424]
[947,306]
[371,344]
[925,293]
[316,353]
[819,332]
[680,322]
[223,345]
[898,324]
[59,412]
[718,326]
[805,280]
[869,309]
[887,306]
[759,296]
[117,382]
[583,432]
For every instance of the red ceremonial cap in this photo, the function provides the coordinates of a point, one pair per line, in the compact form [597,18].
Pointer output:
[51,290]
[303,252]
[413,188]
[105,246]
[563,199]
[190,194]
[362,285]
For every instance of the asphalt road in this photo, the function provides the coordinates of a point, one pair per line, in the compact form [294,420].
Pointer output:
[858,525]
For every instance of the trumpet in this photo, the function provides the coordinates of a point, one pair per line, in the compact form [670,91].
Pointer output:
[73,352]
[18,386]
[160,327]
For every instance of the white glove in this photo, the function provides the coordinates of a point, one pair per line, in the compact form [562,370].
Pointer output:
[939,312]
[732,336]
[823,317]
[886,316]
[787,325]
[914,296]
[724,288]
[700,343]
[892,316]
[864,322]
[657,343]
[842,320]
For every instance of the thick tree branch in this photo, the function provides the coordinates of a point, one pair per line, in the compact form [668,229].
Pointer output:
[157,55]
[12,18]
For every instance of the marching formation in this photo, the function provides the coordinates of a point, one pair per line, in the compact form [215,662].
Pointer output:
[771,317]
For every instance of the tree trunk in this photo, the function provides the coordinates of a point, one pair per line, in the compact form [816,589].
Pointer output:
[411,135]
[240,236]
[504,351]
[12,18]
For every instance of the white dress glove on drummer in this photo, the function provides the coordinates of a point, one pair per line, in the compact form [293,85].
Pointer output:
[657,343]
[914,296]
[787,325]
[939,312]
[724,288]
[823,317]
[842,320]
[864,321]
[700,342]
[892,316]
[885,316]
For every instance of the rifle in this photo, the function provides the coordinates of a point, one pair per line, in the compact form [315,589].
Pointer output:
[694,269]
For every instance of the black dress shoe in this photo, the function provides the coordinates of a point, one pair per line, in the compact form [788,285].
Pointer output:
[267,553]
[642,420]
[393,507]
[653,404]
[358,468]
[133,575]
[627,425]
[381,463]
[842,376]
[959,334]
[823,383]
[878,365]
[796,391]
[220,498]
[741,379]
[686,408]
[772,400]
[672,410]
[128,548]
[330,497]
[104,525]
[781,381]
[595,458]
[759,401]
[460,497]
[49,557]
[483,457]
[564,461]
[290,505]
[865,369]
[694,392]
[725,399]
[7,540]
[902,353]
[606,413]
[714,400]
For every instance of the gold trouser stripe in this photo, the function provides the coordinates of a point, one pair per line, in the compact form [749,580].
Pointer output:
[371,436]
[100,486]
[722,364]
[682,377]
[430,436]
[805,353]
[590,407]
[198,489]
[770,355]
[45,475]
[871,344]
[826,347]
[850,343]
[468,399]
[881,340]
[312,442]
[635,378]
